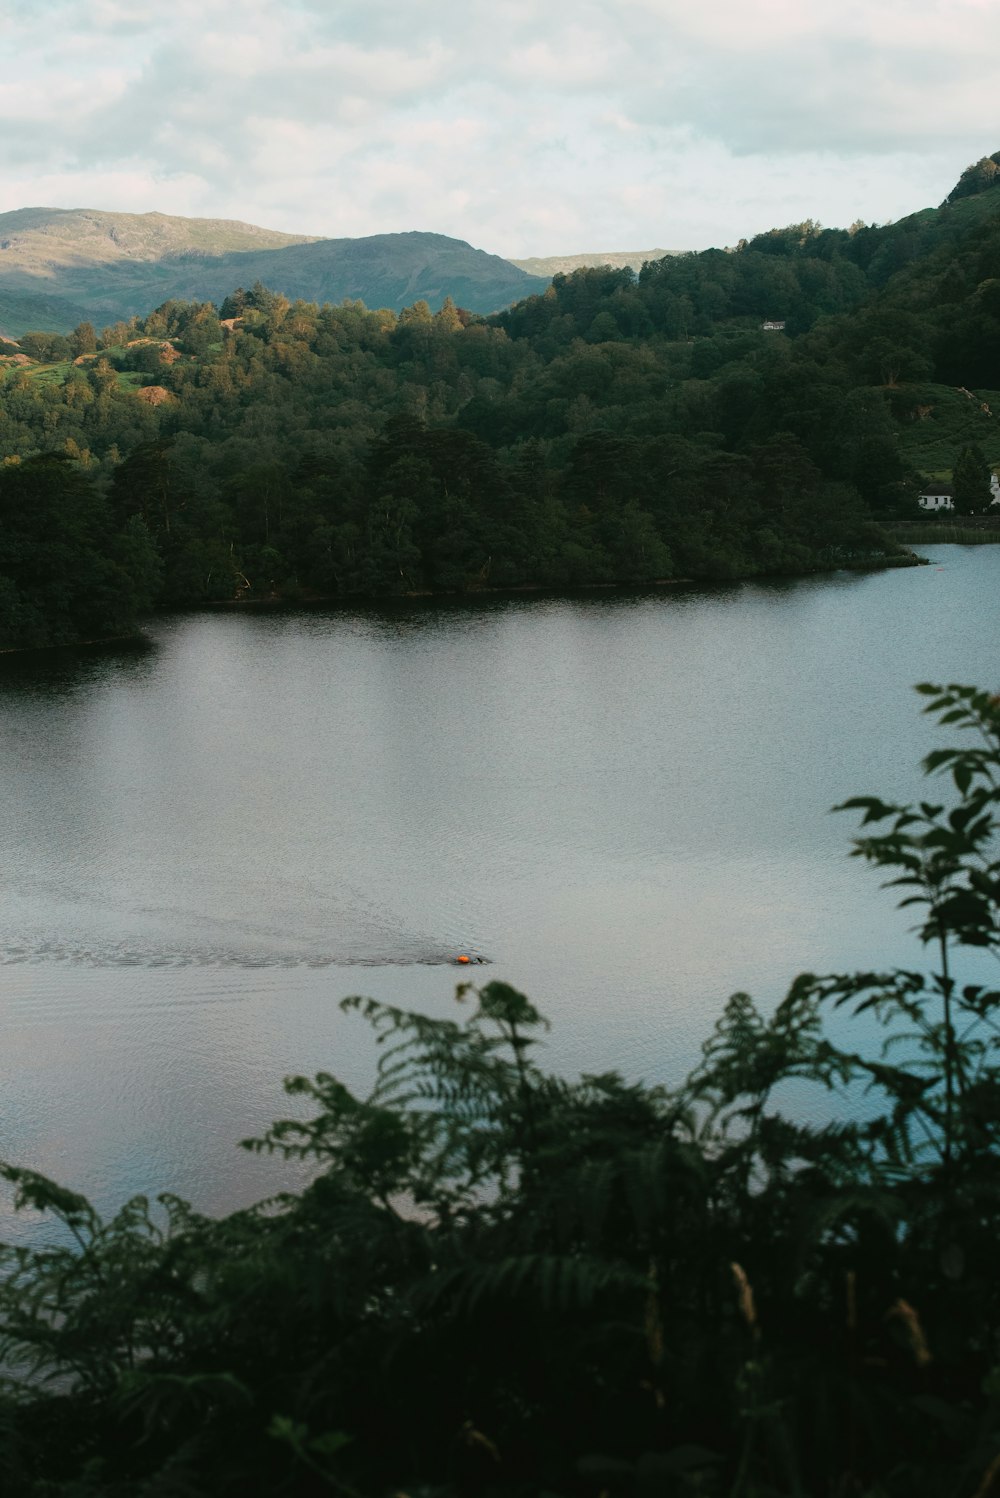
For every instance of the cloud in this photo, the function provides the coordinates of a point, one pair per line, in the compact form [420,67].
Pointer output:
[526,129]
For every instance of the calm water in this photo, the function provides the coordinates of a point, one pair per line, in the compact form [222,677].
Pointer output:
[622,803]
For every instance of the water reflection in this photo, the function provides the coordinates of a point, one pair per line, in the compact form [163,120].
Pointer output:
[40,673]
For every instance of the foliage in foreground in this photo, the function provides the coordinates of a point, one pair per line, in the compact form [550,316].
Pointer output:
[505,1283]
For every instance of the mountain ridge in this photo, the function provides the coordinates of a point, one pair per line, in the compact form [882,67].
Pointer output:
[554,265]
[62,266]
[122,234]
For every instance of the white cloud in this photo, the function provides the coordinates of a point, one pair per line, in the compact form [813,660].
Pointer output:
[522,129]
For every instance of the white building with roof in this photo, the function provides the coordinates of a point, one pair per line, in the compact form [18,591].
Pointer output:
[938,495]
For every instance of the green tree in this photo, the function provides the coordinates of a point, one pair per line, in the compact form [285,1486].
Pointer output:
[146,484]
[260,298]
[47,348]
[146,358]
[971,479]
[886,362]
[447,318]
[116,335]
[83,339]
[419,314]
[235,304]
[976,178]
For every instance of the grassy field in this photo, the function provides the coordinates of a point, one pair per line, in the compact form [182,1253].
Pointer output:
[55,374]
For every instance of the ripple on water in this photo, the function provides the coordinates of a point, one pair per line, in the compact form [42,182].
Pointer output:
[94,955]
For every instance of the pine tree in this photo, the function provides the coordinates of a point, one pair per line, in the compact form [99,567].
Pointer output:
[971,477]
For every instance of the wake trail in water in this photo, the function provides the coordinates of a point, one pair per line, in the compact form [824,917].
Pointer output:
[142,955]
[303,927]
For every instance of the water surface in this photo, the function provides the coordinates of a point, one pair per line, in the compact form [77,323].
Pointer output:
[621,801]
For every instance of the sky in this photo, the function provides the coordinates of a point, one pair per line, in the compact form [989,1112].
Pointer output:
[525,128]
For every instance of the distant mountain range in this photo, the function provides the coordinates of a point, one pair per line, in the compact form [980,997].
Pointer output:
[63,266]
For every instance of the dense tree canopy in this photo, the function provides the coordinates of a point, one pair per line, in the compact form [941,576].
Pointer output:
[618,428]
[66,572]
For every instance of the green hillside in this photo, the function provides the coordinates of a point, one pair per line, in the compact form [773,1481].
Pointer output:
[935,422]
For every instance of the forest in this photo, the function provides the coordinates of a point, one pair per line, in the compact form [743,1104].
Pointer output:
[617,429]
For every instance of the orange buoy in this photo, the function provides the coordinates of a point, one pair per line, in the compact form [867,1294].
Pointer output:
[463,958]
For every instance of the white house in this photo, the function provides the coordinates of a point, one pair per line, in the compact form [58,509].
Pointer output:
[773,326]
[938,495]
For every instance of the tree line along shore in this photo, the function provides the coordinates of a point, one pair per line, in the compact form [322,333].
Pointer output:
[619,428]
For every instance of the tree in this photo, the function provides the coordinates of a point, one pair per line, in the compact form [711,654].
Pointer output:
[971,479]
[418,315]
[235,304]
[102,376]
[116,335]
[270,304]
[47,348]
[976,178]
[886,362]
[83,339]
[447,318]
[146,484]
[146,358]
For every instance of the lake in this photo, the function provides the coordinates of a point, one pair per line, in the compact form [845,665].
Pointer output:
[620,801]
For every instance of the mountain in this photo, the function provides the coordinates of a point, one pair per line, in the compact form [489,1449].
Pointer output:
[41,241]
[565,265]
[59,267]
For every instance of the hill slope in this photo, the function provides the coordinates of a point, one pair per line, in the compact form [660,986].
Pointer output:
[59,267]
[565,265]
[44,241]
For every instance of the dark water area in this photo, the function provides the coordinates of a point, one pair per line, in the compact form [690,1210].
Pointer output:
[620,801]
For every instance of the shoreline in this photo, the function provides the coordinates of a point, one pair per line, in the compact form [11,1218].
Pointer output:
[134,637]
[518,590]
[275,602]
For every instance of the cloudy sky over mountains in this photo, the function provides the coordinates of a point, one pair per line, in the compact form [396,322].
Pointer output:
[526,128]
